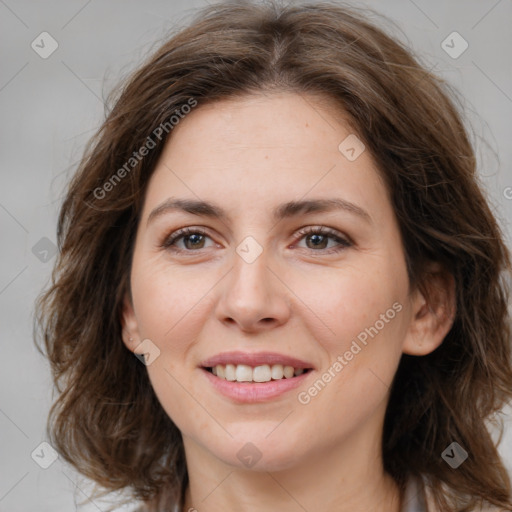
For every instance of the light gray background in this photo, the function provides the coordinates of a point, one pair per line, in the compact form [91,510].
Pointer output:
[50,107]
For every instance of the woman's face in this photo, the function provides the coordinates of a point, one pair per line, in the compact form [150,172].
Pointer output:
[255,283]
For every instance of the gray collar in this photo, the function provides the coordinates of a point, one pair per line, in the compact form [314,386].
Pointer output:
[414,497]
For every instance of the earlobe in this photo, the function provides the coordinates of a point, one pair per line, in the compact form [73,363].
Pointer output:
[129,325]
[433,312]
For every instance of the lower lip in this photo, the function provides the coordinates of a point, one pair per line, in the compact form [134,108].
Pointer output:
[253,392]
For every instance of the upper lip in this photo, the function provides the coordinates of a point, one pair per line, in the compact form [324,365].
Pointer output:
[255,359]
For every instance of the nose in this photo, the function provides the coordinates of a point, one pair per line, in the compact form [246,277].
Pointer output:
[253,297]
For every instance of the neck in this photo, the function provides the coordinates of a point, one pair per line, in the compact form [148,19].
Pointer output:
[349,478]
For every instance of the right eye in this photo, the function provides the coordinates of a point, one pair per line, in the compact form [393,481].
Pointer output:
[192,238]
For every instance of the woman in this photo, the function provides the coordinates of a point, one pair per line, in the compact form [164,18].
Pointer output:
[281,219]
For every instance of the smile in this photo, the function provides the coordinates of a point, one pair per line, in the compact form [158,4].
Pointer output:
[261,373]
[252,377]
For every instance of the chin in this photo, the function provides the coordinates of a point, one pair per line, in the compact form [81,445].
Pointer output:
[255,453]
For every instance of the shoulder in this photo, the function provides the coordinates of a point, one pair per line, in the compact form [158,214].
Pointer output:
[419,498]
[491,508]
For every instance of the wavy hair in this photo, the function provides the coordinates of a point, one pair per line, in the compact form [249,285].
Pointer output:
[107,421]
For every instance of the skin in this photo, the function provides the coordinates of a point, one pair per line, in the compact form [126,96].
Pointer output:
[248,155]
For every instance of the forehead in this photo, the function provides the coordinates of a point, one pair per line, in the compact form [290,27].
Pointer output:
[267,121]
[255,151]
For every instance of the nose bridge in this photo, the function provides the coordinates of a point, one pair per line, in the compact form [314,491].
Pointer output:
[252,295]
[251,274]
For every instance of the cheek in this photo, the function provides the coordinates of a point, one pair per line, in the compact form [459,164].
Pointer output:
[367,320]
[169,307]
[369,324]
[167,302]
[349,303]
[370,327]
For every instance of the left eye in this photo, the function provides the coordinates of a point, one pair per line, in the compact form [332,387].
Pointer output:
[319,237]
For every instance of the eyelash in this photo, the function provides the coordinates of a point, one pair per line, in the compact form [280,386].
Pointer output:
[344,242]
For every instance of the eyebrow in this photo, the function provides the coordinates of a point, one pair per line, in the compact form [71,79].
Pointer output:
[283,211]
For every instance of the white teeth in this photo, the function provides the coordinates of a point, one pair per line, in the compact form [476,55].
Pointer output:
[262,373]
[243,373]
[277,371]
[288,372]
[229,372]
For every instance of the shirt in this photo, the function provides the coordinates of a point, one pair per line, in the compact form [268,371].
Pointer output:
[413,499]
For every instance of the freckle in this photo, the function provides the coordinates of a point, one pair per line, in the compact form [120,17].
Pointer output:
[307,125]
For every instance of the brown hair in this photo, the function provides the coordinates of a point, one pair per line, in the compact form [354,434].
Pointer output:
[107,421]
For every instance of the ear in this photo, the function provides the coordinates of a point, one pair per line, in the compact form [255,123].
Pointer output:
[433,313]
[131,335]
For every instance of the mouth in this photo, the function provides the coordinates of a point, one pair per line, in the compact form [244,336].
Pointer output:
[244,373]
[254,377]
